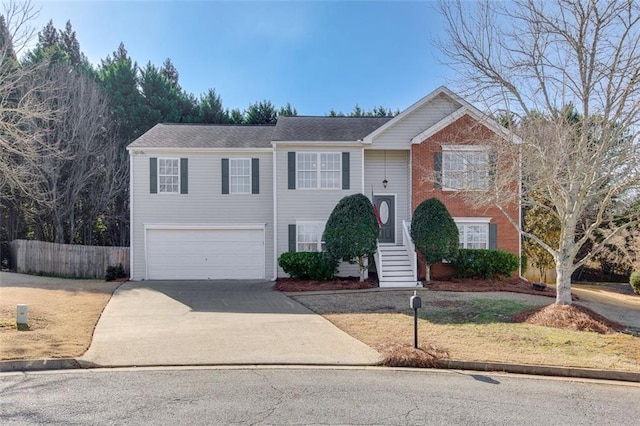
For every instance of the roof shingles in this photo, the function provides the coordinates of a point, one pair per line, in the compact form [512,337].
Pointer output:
[205,136]
[291,129]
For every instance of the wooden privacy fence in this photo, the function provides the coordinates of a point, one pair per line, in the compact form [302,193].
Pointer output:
[67,260]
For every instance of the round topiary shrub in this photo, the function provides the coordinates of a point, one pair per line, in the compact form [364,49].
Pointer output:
[434,233]
[634,281]
[351,233]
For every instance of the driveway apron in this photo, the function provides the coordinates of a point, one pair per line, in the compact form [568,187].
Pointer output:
[216,322]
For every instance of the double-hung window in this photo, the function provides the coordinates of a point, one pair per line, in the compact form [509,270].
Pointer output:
[319,170]
[473,232]
[465,167]
[168,175]
[309,236]
[240,175]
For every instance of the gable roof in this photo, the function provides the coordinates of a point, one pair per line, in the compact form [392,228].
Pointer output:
[475,115]
[331,129]
[205,136]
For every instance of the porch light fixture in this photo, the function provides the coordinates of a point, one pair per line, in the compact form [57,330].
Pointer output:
[385,181]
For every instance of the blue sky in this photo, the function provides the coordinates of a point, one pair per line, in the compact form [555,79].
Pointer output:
[315,55]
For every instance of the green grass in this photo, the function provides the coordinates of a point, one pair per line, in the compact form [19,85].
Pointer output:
[476,311]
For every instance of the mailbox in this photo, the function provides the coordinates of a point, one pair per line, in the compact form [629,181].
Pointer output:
[416,302]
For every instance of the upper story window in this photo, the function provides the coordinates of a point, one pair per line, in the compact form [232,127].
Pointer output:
[465,167]
[240,175]
[309,236]
[318,170]
[168,175]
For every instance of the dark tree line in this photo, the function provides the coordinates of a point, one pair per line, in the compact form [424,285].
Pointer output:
[64,164]
[66,124]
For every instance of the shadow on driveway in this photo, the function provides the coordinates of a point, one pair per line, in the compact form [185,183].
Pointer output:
[216,323]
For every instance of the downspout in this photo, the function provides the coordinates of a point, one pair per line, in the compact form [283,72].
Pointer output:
[520,213]
[274,199]
[363,171]
[131,224]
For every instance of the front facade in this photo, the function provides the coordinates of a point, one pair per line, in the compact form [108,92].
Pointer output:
[224,202]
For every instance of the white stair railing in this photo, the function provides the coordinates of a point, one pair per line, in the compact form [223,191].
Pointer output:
[411,248]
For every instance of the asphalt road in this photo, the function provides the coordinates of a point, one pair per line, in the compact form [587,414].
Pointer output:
[295,396]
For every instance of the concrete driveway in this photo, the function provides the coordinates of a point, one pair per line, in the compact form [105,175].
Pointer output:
[216,322]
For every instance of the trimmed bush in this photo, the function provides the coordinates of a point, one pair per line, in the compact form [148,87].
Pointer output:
[308,265]
[484,264]
[351,233]
[115,272]
[634,281]
[434,233]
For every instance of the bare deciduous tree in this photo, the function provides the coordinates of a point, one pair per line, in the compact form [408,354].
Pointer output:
[80,182]
[568,72]
[22,102]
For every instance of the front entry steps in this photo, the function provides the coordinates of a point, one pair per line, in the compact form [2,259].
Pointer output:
[394,269]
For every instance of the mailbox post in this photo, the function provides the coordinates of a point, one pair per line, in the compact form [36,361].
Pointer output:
[416,303]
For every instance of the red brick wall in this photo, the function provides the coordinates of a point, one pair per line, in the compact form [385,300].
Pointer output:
[464,131]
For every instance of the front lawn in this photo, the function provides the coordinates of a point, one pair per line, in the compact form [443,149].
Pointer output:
[472,327]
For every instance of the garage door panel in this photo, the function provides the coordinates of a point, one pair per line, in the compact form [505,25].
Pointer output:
[205,254]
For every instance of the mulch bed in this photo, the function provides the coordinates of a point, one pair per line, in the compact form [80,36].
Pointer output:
[514,285]
[295,285]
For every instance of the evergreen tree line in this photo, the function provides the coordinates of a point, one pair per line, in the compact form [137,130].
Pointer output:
[65,169]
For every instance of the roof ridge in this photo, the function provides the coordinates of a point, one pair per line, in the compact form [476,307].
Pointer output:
[216,125]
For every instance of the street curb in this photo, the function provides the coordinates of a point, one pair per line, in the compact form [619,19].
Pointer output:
[536,370]
[39,364]
[541,370]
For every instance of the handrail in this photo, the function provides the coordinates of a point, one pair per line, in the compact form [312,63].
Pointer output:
[377,256]
[407,242]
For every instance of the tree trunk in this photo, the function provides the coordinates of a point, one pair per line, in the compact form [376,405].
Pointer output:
[563,281]
[363,268]
[427,272]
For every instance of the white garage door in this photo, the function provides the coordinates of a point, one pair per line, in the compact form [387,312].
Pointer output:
[205,254]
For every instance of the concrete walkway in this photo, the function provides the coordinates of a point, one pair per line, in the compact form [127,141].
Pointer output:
[216,322]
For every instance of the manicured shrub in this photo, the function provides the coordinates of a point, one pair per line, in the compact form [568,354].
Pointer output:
[434,233]
[115,272]
[634,281]
[484,264]
[308,265]
[351,233]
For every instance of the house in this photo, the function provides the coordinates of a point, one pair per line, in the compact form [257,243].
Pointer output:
[225,201]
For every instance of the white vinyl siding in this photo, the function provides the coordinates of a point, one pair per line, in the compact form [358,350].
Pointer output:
[318,170]
[466,169]
[392,165]
[168,175]
[296,206]
[309,236]
[400,135]
[204,206]
[240,175]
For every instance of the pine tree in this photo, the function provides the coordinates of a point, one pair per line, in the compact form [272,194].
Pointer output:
[169,71]
[48,36]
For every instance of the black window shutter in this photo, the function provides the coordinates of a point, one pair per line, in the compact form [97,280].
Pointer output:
[292,170]
[493,236]
[437,168]
[255,175]
[346,177]
[184,175]
[225,175]
[153,175]
[292,238]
